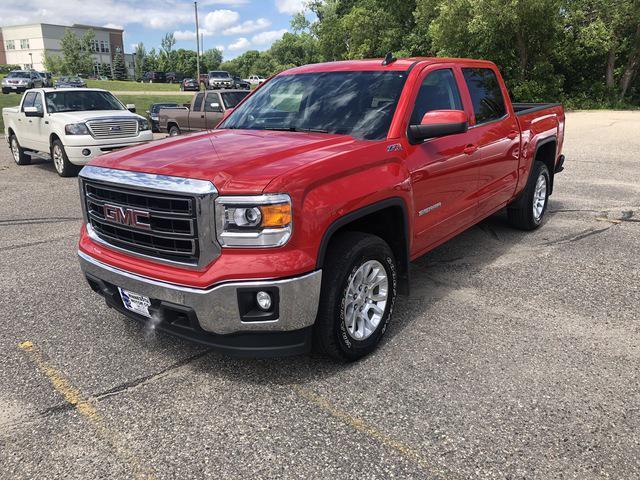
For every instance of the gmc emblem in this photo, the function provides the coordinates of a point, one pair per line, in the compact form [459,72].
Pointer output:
[127,216]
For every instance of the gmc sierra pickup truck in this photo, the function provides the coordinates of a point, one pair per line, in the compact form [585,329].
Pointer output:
[293,224]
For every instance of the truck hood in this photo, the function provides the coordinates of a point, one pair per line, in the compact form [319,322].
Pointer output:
[80,117]
[236,161]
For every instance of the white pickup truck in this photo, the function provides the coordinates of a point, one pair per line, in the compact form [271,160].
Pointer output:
[73,125]
[254,80]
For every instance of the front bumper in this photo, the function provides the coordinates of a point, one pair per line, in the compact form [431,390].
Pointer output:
[14,89]
[75,155]
[212,316]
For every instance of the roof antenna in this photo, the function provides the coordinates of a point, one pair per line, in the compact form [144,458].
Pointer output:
[388,59]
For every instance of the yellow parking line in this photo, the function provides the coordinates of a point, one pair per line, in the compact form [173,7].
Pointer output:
[358,424]
[85,407]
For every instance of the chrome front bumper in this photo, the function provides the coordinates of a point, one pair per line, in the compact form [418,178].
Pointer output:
[216,309]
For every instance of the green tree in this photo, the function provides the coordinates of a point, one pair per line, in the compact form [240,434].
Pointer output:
[210,60]
[140,57]
[119,68]
[53,63]
[76,53]
[186,62]
[151,61]
[167,57]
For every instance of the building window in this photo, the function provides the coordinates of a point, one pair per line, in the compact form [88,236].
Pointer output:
[24,44]
[27,66]
[11,45]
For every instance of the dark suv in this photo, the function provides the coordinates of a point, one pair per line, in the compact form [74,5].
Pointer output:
[154,77]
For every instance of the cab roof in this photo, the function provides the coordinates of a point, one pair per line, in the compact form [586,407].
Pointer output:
[399,65]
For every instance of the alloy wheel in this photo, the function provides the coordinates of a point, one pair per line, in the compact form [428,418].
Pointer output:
[366,299]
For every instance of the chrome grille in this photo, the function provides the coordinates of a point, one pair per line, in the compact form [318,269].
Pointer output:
[172,228]
[113,128]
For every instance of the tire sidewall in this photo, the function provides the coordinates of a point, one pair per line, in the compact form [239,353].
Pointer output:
[541,170]
[351,347]
[12,139]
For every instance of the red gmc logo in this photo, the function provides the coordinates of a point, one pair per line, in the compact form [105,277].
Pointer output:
[127,216]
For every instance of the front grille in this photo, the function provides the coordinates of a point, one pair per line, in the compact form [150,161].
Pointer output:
[113,128]
[169,230]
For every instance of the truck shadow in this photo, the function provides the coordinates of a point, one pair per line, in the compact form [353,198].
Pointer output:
[433,277]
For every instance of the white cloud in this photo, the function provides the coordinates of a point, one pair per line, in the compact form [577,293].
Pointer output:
[240,44]
[232,3]
[268,37]
[248,26]
[220,19]
[290,6]
[220,47]
[184,35]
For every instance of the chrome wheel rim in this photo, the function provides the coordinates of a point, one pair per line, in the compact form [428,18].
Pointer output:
[367,296]
[539,197]
[58,159]
[173,132]
[15,150]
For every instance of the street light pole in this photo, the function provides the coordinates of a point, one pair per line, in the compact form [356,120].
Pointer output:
[195,5]
[31,59]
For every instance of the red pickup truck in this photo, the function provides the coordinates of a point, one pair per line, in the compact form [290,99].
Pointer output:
[293,224]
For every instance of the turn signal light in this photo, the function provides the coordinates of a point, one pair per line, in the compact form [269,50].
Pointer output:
[275,216]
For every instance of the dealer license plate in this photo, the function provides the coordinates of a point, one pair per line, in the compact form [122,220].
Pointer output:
[136,303]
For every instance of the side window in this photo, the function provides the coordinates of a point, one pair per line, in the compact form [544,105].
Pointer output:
[197,104]
[28,100]
[212,98]
[37,102]
[438,91]
[486,95]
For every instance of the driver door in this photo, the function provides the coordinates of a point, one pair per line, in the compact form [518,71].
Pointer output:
[213,115]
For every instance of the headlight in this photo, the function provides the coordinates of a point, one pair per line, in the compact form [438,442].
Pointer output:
[143,124]
[76,129]
[254,221]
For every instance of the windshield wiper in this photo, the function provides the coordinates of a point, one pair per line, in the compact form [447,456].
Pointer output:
[297,129]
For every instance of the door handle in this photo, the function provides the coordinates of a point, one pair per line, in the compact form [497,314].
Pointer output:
[201,116]
[471,148]
[512,135]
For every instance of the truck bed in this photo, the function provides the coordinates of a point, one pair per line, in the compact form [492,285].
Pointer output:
[524,108]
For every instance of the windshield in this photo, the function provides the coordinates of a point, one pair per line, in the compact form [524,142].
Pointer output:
[219,74]
[360,104]
[19,75]
[231,99]
[81,101]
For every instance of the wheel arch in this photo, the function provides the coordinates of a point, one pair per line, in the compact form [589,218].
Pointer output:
[546,150]
[387,219]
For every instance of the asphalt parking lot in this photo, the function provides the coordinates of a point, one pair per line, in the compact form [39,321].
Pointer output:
[516,355]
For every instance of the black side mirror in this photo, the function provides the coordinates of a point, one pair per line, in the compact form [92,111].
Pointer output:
[33,112]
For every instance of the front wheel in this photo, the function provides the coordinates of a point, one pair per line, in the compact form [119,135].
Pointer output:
[61,162]
[527,212]
[358,293]
[17,151]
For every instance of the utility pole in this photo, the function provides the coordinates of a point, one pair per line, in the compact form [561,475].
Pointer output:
[195,5]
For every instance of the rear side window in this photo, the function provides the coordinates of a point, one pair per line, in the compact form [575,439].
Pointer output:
[438,91]
[197,103]
[486,94]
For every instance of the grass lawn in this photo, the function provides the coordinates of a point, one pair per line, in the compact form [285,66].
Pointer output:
[123,86]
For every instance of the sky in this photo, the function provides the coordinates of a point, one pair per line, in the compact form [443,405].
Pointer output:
[234,26]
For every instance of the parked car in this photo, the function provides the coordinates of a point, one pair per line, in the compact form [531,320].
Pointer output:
[203,113]
[154,77]
[47,78]
[189,85]
[254,80]
[322,185]
[18,81]
[153,113]
[219,79]
[73,125]
[174,77]
[70,82]
[241,84]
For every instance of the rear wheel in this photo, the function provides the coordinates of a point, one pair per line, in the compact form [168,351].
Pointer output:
[19,156]
[527,212]
[358,293]
[61,162]
[174,131]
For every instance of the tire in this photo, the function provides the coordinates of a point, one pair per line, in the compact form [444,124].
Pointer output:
[61,162]
[527,212]
[19,156]
[340,331]
[174,131]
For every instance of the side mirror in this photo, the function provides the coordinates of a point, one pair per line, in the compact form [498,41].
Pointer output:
[215,107]
[186,105]
[131,107]
[32,112]
[439,123]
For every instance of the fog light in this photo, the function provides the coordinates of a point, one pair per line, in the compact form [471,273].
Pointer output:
[264,300]
[86,152]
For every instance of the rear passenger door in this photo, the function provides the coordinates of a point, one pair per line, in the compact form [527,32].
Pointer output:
[196,116]
[496,135]
[443,171]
